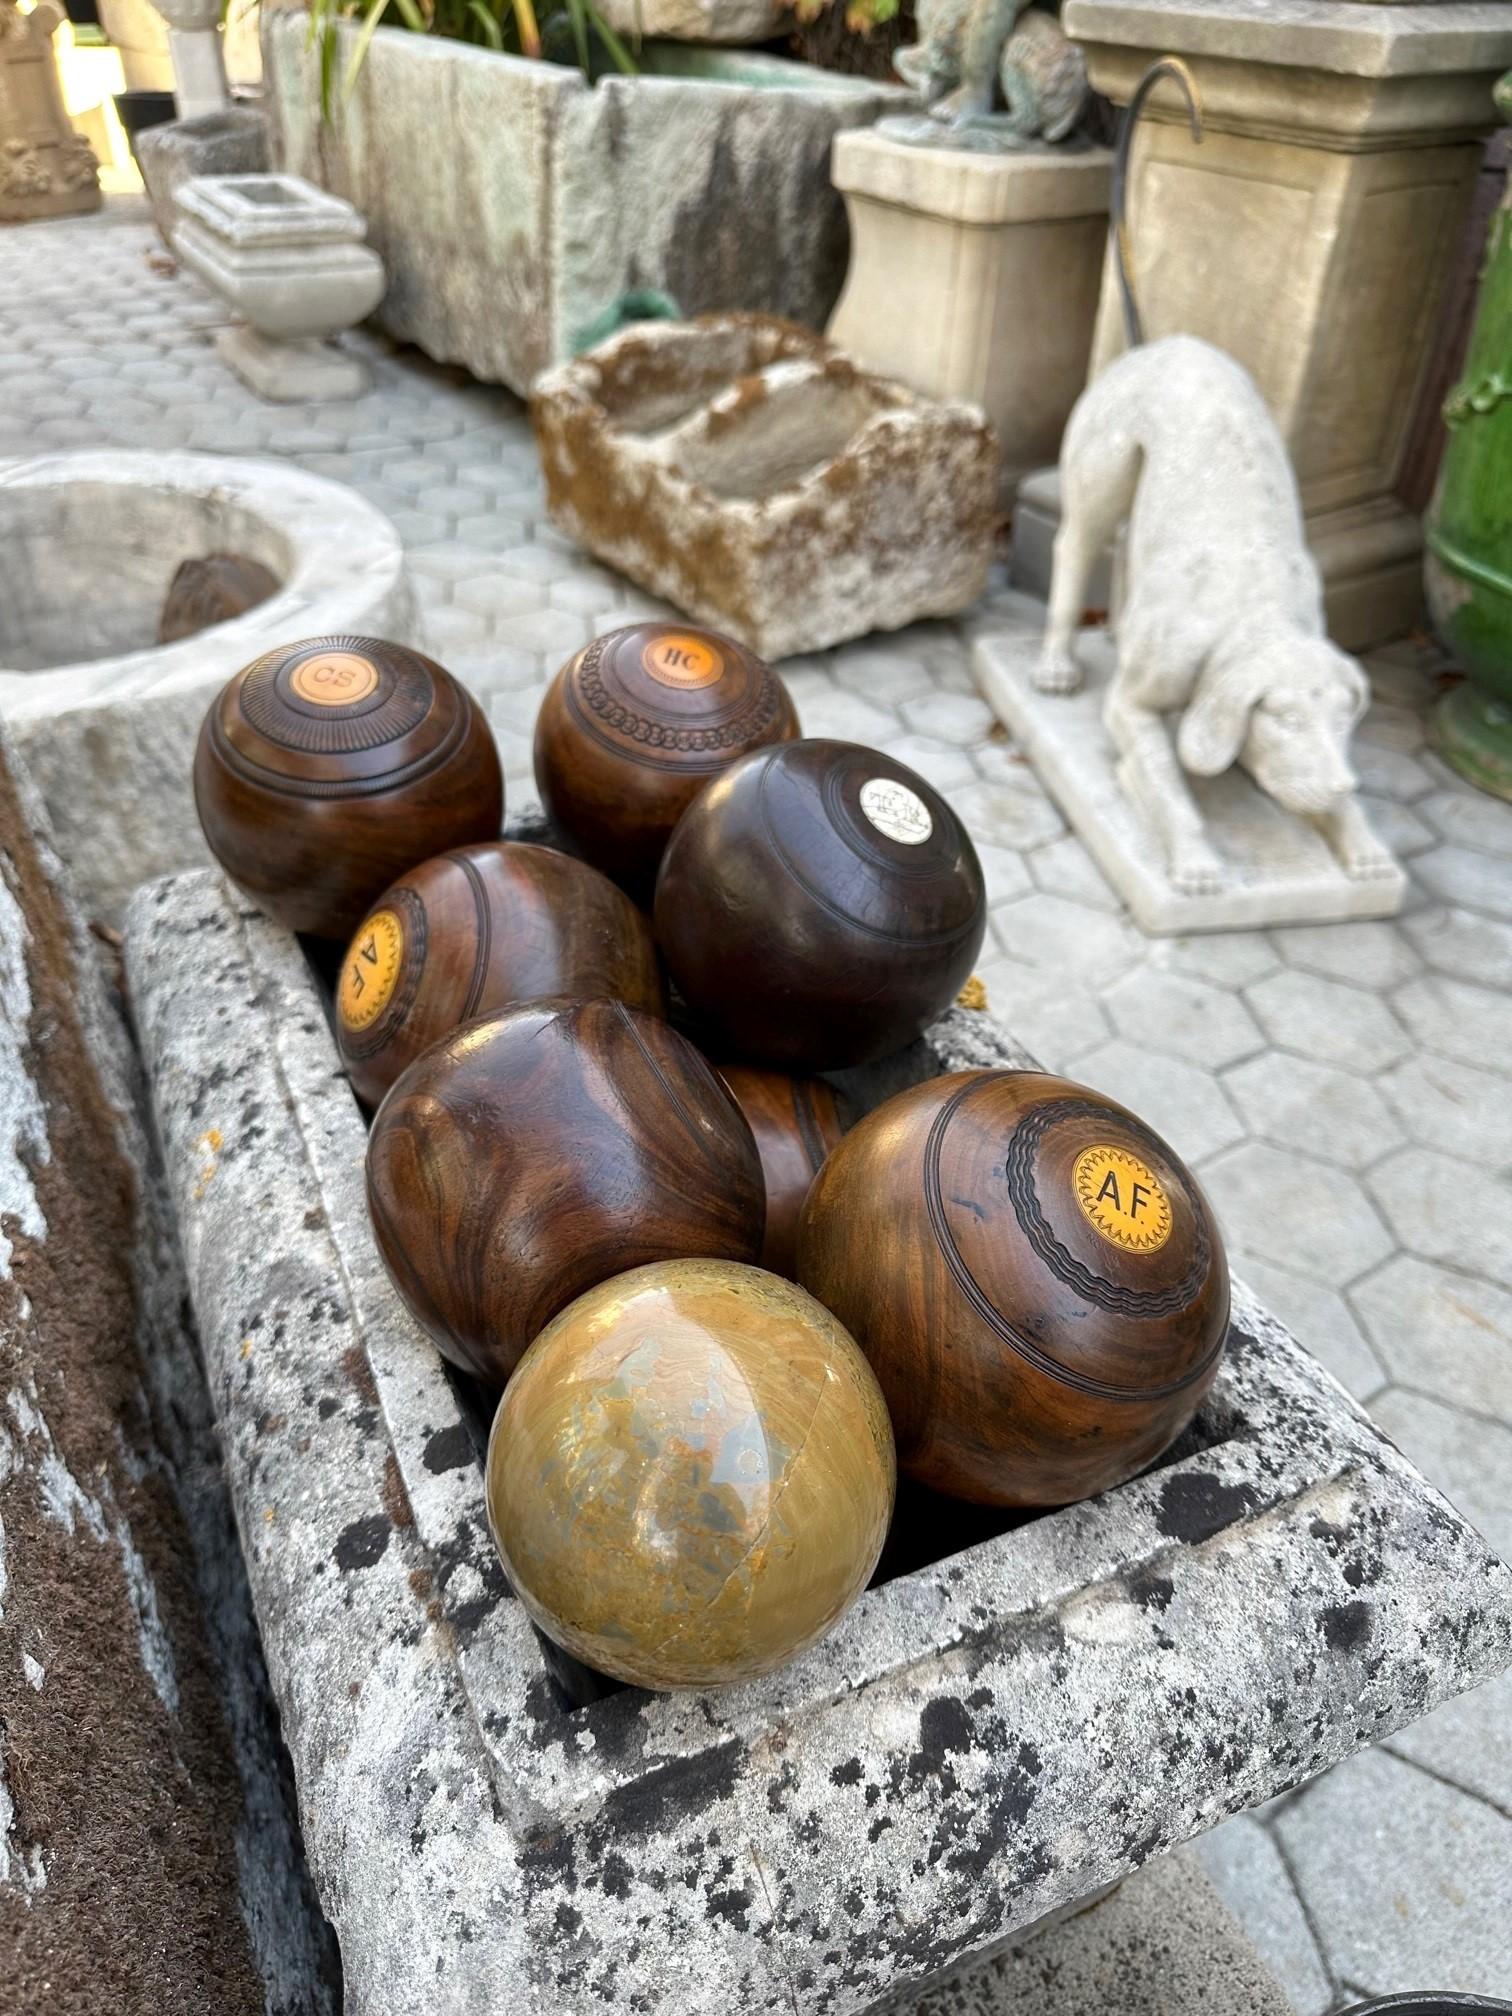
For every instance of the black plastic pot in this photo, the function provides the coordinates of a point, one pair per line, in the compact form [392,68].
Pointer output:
[140,109]
[83,13]
[1425,2003]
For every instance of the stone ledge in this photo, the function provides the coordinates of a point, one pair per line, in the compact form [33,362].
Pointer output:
[1421,40]
[1032,184]
[977,1746]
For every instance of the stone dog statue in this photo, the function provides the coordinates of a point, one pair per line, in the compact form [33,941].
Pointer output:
[968,51]
[1220,628]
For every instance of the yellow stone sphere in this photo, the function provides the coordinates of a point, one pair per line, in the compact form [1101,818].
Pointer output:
[690,1475]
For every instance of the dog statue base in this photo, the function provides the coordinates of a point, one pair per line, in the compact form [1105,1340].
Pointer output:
[1277,868]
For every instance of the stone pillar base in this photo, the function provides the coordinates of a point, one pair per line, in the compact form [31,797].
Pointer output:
[1370,556]
[975,276]
[289,372]
[199,76]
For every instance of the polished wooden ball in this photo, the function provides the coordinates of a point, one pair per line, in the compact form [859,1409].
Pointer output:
[527,1157]
[326,769]
[477,930]
[1037,1281]
[690,1475]
[818,905]
[633,727]
[796,1123]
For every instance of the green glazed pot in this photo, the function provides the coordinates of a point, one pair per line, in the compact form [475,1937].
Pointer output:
[1469,563]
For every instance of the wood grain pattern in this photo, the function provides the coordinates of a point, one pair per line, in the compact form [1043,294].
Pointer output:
[1037,1280]
[480,929]
[530,1156]
[818,906]
[633,727]
[690,1476]
[327,768]
[796,1124]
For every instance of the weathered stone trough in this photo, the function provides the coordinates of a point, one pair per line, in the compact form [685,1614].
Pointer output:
[705,177]
[986,1740]
[106,716]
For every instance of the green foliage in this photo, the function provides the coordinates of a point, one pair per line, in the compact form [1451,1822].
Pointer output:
[515,26]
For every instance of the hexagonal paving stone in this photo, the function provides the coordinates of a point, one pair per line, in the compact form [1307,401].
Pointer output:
[1005,870]
[1471,1024]
[1468,1741]
[1057,1021]
[1408,1881]
[492,593]
[949,770]
[556,633]
[1064,868]
[960,718]
[886,678]
[1183,1017]
[1327,1020]
[1446,1209]
[1183,1104]
[1228,958]
[1468,1457]
[1295,1101]
[1470,818]
[1371,955]
[1397,826]
[1392,773]
[1464,876]
[1454,1107]
[1388,726]
[1445,1333]
[1318,1317]
[1067,940]
[1246,1869]
[1301,1214]
[846,718]
[1012,812]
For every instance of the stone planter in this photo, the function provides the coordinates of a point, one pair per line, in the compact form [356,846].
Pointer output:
[106,717]
[750,474]
[975,276]
[290,260]
[985,1740]
[705,178]
[1311,233]
[1469,567]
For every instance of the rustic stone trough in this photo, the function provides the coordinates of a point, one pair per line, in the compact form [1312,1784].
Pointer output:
[106,716]
[991,1738]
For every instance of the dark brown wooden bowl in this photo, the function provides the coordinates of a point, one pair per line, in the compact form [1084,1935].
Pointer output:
[818,906]
[633,727]
[326,769]
[1037,1280]
[796,1124]
[477,930]
[527,1157]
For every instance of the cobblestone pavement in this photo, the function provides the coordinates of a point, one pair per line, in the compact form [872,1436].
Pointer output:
[1345,1092]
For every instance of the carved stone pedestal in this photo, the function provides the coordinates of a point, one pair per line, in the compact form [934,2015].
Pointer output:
[974,276]
[1310,233]
[46,169]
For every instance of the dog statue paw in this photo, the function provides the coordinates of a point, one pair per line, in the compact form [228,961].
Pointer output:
[1057,672]
[1195,868]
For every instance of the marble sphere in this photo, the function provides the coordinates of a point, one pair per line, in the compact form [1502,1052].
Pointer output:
[690,1474]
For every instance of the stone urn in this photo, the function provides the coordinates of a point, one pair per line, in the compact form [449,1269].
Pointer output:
[199,71]
[46,169]
[1469,562]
